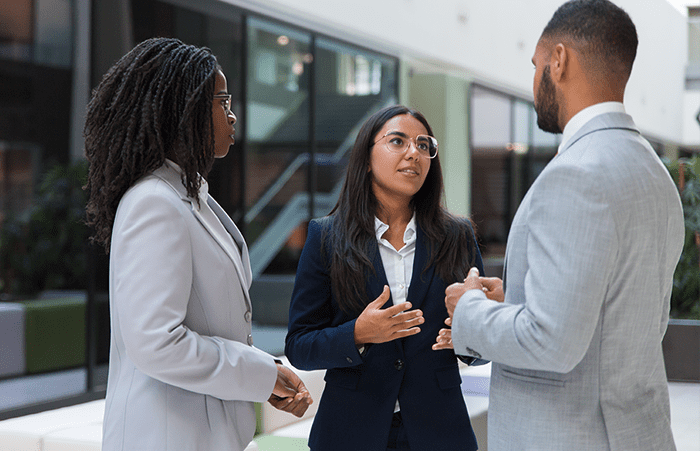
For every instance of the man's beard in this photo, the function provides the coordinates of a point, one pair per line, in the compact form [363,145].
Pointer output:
[547,108]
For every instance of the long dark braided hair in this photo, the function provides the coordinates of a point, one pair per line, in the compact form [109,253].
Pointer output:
[450,239]
[154,103]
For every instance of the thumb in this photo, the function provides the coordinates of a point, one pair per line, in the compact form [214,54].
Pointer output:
[474,272]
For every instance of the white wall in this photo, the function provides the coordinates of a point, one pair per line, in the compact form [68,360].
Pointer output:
[691,128]
[494,40]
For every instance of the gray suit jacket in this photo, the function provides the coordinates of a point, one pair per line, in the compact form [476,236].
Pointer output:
[589,263]
[182,374]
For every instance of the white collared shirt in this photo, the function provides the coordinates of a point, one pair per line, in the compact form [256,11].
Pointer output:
[585,115]
[398,264]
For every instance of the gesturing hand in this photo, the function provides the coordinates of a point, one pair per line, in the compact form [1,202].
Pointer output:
[375,325]
[493,288]
[290,393]
[444,338]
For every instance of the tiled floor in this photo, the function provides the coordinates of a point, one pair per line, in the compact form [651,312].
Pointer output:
[685,415]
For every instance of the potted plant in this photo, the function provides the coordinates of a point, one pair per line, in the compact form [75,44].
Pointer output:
[44,248]
[682,341]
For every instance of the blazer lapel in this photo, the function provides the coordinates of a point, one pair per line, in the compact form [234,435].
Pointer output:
[245,272]
[377,280]
[421,276]
[241,261]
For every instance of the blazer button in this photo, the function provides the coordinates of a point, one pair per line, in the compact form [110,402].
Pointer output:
[348,359]
[248,316]
[250,340]
[398,364]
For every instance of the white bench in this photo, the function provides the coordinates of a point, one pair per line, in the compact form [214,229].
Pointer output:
[79,427]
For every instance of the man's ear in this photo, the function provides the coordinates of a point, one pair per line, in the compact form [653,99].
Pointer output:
[559,62]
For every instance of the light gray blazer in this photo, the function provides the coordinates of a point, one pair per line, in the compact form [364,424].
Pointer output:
[182,374]
[588,273]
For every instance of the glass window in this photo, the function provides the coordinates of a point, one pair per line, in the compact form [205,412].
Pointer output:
[38,31]
[490,119]
[351,84]
[491,132]
[224,36]
[277,128]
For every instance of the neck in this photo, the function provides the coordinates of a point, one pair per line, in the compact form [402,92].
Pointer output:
[394,213]
[584,95]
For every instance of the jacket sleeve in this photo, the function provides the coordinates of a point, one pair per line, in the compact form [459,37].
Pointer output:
[151,288]
[314,340]
[571,249]
[478,264]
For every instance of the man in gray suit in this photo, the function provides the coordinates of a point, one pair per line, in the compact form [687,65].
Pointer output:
[576,343]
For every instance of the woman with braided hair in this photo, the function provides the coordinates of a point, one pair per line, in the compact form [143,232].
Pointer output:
[183,374]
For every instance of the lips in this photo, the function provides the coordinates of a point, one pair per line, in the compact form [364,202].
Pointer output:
[411,171]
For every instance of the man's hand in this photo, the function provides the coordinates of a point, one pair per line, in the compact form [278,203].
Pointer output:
[493,288]
[375,325]
[290,393]
[457,289]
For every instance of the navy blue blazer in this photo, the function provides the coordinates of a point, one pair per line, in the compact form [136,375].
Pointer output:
[357,405]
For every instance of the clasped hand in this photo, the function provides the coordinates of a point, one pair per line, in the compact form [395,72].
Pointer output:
[377,325]
[290,393]
[492,288]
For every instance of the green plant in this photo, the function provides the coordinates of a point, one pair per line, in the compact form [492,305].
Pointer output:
[685,299]
[44,248]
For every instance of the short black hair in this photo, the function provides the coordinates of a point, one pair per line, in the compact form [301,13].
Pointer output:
[604,32]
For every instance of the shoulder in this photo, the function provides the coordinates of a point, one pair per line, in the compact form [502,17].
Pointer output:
[458,225]
[151,195]
[320,228]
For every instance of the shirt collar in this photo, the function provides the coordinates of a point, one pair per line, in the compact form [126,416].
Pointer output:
[585,115]
[409,235]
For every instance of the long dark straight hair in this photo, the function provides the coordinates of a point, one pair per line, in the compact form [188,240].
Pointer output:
[351,241]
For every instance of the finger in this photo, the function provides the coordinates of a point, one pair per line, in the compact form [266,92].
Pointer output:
[395,310]
[473,272]
[381,299]
[299,409]
[441,342]
[407,315]
[408,323]
[405,333]
[279,403]
[490,282]
[448,321]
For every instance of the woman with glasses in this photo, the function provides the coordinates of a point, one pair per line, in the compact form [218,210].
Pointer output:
[183,374]
[368,300]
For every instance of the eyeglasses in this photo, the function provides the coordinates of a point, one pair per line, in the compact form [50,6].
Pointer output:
[427,146]
[225,100]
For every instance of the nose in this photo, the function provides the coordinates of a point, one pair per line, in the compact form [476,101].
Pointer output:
[412,150]
[230,114]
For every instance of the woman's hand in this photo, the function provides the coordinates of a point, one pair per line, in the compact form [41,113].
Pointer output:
[444,338]
[290,393]
[375,325]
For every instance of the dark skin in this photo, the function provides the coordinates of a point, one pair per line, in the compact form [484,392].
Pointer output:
[290,393]
[578,84]
[491,286]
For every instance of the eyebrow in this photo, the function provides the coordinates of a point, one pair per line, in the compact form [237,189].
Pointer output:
[222,92]
[396,132]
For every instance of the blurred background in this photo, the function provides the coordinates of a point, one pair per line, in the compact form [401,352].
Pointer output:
[304,75]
